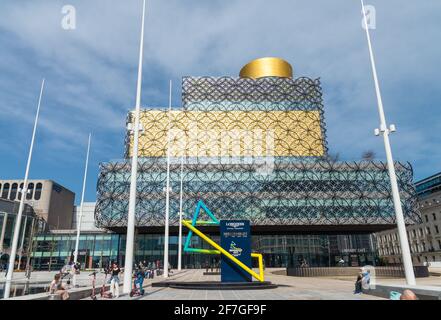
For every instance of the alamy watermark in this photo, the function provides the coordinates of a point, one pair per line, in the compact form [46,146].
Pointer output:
[371,17]
[237,146]
[69,19]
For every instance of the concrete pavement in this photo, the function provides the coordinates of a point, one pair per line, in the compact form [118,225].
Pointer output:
[290,288]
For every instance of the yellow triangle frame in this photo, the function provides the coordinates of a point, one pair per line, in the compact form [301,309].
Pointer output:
[220,250]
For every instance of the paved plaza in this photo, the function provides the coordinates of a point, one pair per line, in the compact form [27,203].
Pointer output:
[290,288]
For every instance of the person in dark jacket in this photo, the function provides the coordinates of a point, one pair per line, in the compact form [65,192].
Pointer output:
[358,284]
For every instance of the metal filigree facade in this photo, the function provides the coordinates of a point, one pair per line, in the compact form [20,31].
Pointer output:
[290,183]
[297,193]
[230,134]
[290,110]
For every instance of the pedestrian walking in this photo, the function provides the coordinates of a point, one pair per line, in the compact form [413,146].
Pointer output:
[28,272]
[6,269]
[114,282]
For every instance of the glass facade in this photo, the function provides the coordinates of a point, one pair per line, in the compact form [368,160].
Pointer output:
[428,186]
[97,250]
[30,226]
[296,193]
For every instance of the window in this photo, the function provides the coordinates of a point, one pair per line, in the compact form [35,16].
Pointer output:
[439,244]
[428,230]
[436,229]
[20,191]
[5,191]
[434,216]
[427,218]
[13,191]
[30,191]
[38,189]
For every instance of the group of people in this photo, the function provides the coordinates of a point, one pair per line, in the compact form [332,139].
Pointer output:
[56,287]
[67,271]
[149,269]
[143,270]
[215,264]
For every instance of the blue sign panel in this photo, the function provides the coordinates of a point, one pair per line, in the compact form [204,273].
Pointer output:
[236,239]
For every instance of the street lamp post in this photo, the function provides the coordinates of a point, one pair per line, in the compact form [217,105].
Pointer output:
[80,215]
[21,207]
[130,239]
[385,131]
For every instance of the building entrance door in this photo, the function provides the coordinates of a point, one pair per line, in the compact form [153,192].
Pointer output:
[83,258]
[354,260]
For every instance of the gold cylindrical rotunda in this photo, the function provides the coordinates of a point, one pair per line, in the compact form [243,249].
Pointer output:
[267,67]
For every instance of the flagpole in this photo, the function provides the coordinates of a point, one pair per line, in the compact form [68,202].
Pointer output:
[180,216]
[23,192]
[404,243]
[80,215]
[130,238]
[167,197]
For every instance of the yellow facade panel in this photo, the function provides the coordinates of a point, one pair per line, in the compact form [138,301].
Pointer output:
[230,133]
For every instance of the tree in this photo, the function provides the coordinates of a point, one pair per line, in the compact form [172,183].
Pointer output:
[368,155]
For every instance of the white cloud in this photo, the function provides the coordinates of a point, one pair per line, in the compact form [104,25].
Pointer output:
[91,71]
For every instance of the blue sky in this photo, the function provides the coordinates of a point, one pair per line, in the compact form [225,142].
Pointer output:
[91,72]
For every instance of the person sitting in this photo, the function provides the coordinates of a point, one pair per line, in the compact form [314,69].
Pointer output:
[139,276]
[408,295]
[366,280]
[56,287]
[358,284]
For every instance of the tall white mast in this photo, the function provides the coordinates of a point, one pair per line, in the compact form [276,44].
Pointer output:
[23,192]
[167,191]
[128,263]
[180,216]
[405,250]
[80,214]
